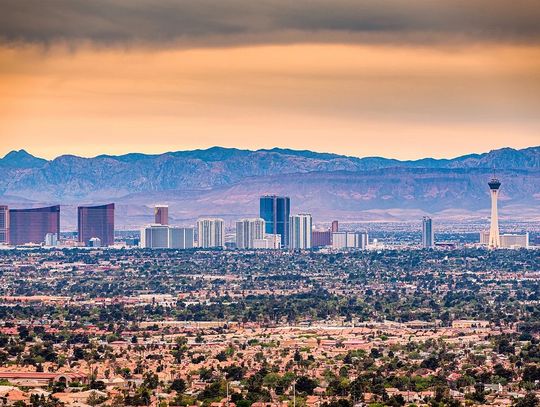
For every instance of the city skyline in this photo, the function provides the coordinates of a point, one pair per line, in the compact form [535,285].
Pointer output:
[276,228]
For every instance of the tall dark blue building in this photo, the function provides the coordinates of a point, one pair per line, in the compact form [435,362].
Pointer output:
[275,211]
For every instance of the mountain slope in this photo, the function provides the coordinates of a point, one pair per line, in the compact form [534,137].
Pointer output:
[227,182]
[71,178]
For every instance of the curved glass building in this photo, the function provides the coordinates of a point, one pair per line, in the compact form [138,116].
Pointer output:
[31,225]
[96,221]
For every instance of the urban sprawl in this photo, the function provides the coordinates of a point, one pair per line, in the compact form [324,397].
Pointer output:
[278,314]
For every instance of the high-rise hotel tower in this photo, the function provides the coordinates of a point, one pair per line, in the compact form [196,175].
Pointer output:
[428,238]
[96,221]
[211,233]
[32,225]
[300,227]
[248,231]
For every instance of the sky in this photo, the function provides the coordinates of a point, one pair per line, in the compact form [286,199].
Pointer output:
[396,78]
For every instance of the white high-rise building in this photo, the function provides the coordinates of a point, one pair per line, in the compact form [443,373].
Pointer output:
[300,227]
[166,237]
[211,232]
[494,238]
[349,240]
[155,237]
[248,230]
[428,237]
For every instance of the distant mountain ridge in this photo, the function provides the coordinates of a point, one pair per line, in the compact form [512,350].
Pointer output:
[227,181]
[505,158]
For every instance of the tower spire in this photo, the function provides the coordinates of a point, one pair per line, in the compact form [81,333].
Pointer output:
[494,238]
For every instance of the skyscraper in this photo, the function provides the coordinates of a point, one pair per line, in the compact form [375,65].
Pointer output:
[335,226]
[428,238]
[300,231]
[249,230]
[211,232]
[96,221]
[494,238]
[4,224]
[161,214]
[32,225]
[275,210]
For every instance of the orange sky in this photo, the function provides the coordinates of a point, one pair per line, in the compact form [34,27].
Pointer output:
[405,101]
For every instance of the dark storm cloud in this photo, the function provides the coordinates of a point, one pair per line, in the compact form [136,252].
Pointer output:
[125,22]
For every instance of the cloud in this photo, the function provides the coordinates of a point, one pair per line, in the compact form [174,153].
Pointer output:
[243,22]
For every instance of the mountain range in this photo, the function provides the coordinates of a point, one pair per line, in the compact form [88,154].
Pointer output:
[227,182]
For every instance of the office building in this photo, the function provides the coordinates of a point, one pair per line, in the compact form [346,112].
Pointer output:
[321,238]
[300,231]
[349,240]
[428,237]
[210,233]
[335,226]
[32,225]
[494,238]
[247,230]
[51,240]
[275,210]
[161,214]
[96,221]
[4,224]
